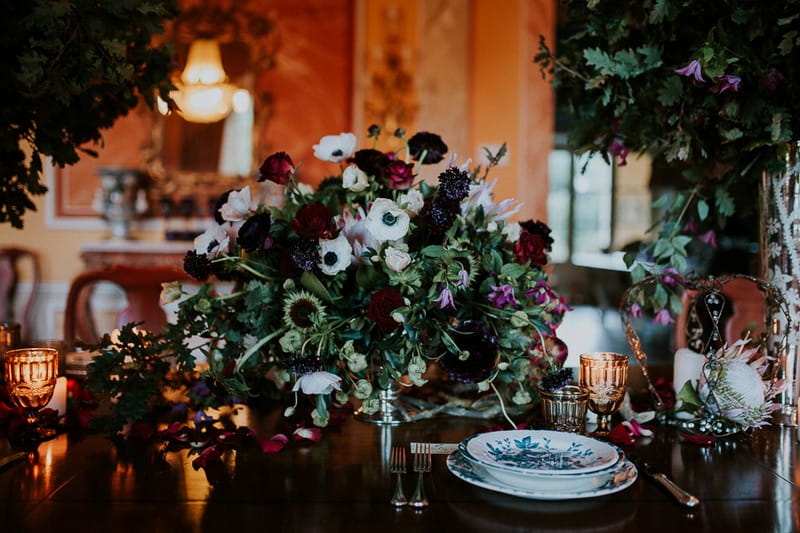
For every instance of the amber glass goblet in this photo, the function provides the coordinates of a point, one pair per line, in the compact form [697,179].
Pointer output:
[30,379]
[604,375]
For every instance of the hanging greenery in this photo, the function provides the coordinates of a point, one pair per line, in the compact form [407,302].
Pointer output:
[70,69]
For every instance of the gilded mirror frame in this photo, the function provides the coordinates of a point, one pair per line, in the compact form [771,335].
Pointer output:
[228,25]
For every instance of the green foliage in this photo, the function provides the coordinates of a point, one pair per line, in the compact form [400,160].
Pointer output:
[615,74]
[71,69]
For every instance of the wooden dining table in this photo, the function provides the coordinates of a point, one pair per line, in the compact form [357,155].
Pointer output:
[89,482]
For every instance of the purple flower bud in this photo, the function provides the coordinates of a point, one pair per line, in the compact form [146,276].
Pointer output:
[663,318]
[618,149]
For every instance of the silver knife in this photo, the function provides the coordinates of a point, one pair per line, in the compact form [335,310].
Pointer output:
[683,497]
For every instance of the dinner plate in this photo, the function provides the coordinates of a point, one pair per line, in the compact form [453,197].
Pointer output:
[538,452]
[554,481]
[620,476]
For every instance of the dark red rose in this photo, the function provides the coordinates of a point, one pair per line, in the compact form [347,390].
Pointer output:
[278,168]
[400,175]
[381,306]
[314,221]
[530,247]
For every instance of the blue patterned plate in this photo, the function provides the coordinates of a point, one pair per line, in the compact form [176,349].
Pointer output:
[617,478]
[538,452]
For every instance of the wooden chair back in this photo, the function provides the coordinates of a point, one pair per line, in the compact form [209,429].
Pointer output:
[10,260]
[142,286]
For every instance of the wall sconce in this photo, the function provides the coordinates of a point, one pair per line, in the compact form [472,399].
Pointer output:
[203,93]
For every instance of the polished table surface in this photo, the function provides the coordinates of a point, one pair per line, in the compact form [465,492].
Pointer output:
[89,483]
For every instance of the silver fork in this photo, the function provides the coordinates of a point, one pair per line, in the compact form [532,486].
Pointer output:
[422,465]
[398,466]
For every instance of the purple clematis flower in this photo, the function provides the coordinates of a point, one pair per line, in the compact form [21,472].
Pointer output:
[541,293]
[636,311]
[618,149]
[709,237]
[463,278]
[663,318]
[773,79]
[670,277]
[502,296]
[445,299]
[727,82]
[693,70]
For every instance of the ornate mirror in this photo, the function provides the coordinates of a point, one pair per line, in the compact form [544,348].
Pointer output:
[211,144]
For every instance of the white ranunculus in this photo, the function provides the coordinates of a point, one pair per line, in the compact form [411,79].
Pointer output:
[354,179]
[386,221]
[397,260]
[317,383]
[213,242]
[305,189]
[238,206]
[412,202]
[511,230]
[335,148]
[335,255]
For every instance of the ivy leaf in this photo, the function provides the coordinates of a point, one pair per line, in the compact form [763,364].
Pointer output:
[702,209]
[724,202]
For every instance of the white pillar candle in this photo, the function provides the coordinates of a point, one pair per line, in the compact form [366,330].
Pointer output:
[59,400]
[688,367]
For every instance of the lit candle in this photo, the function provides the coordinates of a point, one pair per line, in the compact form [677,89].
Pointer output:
[688,367]
[59,400]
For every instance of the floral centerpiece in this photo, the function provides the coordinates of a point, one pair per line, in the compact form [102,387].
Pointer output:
[369,281]
[712,88]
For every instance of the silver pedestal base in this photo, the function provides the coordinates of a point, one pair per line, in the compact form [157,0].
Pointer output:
[391,412]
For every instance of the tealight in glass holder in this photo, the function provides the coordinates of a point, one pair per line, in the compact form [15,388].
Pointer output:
[30,375]
[564,409]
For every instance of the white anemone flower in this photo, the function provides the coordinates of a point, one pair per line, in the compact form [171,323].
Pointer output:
[397,260]
[386,221]
[354,179]
[335,255]
[212,242]
[238,206]
[412,202]
[317,383]
[354,228]
[335,148]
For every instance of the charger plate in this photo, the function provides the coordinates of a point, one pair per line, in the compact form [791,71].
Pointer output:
[620,477]
[538,452]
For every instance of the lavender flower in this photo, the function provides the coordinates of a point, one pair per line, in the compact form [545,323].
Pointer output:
[692,70]
[445,299]
[663,318]
[463,278]
[501,296]
[727,82]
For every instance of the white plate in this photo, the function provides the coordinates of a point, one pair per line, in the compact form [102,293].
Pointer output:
[620,477]
[554,481]
[538,452]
